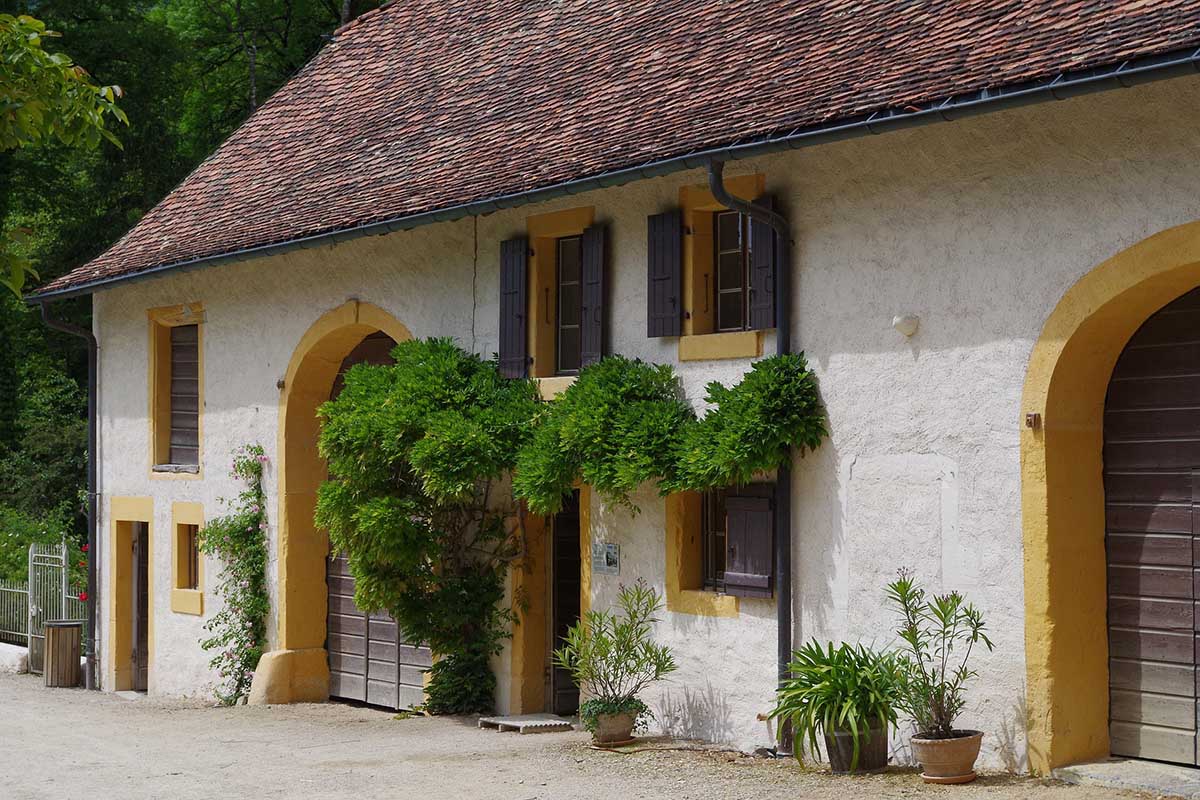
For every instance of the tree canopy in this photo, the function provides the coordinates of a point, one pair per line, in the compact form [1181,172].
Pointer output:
[184,68]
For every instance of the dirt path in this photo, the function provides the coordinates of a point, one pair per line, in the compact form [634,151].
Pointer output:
[75,744]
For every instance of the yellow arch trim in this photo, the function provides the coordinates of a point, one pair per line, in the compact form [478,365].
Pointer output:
[1062,492]
[298,670]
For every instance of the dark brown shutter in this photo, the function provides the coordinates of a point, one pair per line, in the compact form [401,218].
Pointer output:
[665,271]
[750,545]
[513,286]
[762,270]
[592,317]
[185,395]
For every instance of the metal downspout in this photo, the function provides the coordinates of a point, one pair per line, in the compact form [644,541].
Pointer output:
[783,482]
[92,519]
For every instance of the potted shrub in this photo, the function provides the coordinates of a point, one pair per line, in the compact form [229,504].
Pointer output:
[613,657]
[939,632]
[847,695]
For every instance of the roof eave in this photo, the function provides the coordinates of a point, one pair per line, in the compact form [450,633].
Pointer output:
[1060,87]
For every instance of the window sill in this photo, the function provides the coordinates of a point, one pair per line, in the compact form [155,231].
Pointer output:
[551,388]
[176,469]
[702,603]
[717,346]
[187,601]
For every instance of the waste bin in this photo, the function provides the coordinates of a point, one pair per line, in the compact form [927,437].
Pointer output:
[63,638]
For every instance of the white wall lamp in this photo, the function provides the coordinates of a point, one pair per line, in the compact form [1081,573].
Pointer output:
[907,324]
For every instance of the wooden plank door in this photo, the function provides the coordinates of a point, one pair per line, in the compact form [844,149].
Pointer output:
[141,607]
[1152,487]
[369,661]
[565,600]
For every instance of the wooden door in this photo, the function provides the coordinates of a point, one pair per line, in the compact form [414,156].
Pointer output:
[369,661]
[565,600]
[1152,487]
[141,606]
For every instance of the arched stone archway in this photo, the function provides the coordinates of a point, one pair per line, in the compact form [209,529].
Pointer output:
[297,670]
[1063,494]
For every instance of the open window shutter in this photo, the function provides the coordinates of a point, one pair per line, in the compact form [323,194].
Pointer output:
[592,319]
[665,271]
[513,287]
[750,544]
[762,270]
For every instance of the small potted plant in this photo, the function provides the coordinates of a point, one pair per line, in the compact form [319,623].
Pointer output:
[613,657]
[939,632]
[846,694]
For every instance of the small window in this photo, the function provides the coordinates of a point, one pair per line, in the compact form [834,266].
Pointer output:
[176,392]
[188,552]
[569,340]
[713,527]
[731,258]
[185,395]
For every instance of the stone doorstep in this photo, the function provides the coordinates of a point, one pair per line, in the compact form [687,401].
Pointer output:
[1164,780]
[528,723]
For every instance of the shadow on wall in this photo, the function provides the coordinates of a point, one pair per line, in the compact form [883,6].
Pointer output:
[1012,737]
[691,714]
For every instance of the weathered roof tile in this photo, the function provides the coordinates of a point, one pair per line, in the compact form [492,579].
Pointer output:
[430,104]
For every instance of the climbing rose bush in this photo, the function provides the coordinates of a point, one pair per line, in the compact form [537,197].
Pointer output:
[239,540]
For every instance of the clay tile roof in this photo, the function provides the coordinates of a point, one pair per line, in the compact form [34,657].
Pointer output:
[430,104]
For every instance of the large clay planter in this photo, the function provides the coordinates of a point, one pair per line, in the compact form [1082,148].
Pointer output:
[948,760]
[613,729]
[872,751]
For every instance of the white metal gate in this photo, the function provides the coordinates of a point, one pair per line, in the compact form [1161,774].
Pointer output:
[45,596]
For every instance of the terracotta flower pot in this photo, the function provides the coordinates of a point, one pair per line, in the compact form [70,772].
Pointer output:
[613,728]
[948,760]
[872,751]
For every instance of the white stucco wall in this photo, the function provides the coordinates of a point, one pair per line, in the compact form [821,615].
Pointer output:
[978,226]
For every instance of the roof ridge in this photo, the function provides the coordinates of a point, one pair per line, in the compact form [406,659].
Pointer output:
[365,15]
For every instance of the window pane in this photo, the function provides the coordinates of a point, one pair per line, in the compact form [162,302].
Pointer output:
[729,311]
[568,349]
[568,304]
[730,274]
[569,251]
[728,230]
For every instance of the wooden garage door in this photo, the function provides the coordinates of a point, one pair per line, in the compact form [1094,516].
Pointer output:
[1152,485]
[369,660]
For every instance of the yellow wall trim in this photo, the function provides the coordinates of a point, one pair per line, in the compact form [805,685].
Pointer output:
[698,206]
[544,230]
[550,388]
[685,578]
[121,512]
[296,670]
[714,346]
[161,320]
[183,600]
[1062,492]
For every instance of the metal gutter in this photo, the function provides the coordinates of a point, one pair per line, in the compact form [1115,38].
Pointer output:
[92,519]
[1062,86]
[783,478]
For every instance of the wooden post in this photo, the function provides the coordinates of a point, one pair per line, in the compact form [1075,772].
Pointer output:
[61,653]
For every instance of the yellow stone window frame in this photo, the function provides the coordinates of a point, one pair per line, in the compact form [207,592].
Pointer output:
[161,320]
[185,600]
[685,571]
[543,232]
[699,341]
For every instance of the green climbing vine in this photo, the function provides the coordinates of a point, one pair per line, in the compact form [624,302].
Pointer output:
[239,540]
[625,422]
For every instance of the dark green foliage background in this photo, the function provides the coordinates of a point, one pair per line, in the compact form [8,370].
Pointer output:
[184,69]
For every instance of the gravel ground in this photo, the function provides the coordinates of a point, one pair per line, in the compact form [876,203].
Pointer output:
[62,743]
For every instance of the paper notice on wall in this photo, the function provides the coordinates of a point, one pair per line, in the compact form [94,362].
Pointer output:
[606,558]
